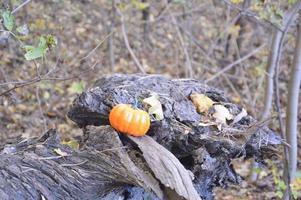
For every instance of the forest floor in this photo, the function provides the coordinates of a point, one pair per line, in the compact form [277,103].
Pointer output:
[84,54]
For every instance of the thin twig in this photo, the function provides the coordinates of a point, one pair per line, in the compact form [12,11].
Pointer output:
[20,6]
[188,63]
[41,109]
[111,39]
[73,164]
[288,20]
[97,46]
[250,14]
[45,78]
[228,67]
[127,44]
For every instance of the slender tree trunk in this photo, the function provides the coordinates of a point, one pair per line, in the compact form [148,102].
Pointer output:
[292,110]
[242,22]
[145,19]
[111,39]
[271,66]
[269,85]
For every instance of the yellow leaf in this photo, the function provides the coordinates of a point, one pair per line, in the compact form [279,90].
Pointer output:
[122,6]
[296,184]
[60,152]
[222,114]
[140,5]
[234,30]
[40,24]
[236,99]
[46,95]
[72,143]
[201,102]
[236,1]
[155,106]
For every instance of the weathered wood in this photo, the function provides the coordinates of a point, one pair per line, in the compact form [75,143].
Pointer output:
[113,166]
[179,132]
[167,168]
[31,169]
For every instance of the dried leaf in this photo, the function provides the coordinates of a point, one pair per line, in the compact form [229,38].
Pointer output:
[222,114]
[240,115]
[60,152]
[207,124]
[219,127]
[236,1]
[234,30]
[72,143]
[201,102]
[155,106]
[140,5]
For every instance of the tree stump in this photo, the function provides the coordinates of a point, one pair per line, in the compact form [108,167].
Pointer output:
[177,159]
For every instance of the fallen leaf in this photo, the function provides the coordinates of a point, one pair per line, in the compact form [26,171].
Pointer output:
[236,1]
[76,87]
[40,24]
[207,124]
[219,126]
[236,99]
[51,114]
[234,30]
[60,152]
[155,106]
[222,114]
[72,143]
[239,116]
[201,102]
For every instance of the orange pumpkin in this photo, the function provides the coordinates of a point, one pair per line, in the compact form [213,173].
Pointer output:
[128,120]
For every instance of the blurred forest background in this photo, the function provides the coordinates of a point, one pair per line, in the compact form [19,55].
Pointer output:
[51,50]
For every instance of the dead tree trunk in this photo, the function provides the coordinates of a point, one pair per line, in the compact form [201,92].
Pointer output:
[178,159]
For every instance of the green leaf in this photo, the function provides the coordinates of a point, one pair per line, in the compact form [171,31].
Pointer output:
[179,1]
[77,87]
[257,170]
[42,48]
[279,194]
[8,20]
[34,53]
[51,41]
[282,185]
[16,2]
[295,194]
[42,43]
[290,2]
